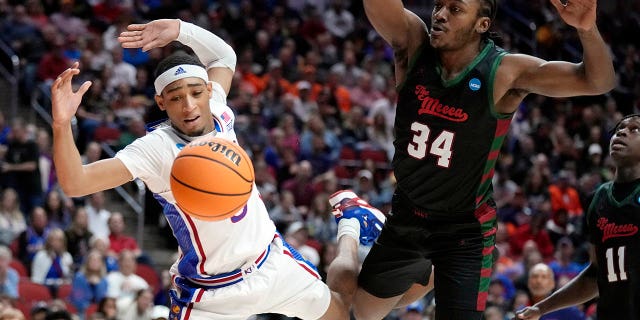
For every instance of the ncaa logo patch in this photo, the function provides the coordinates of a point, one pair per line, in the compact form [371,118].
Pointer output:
[475,84]
[180,146]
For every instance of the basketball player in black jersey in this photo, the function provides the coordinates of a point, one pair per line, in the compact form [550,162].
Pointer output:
[613,220]
[457,93]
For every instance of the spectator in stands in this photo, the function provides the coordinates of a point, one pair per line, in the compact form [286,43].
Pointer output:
[21,166]
[12,221]
[339,21]
[300,185]
[90,282]
[534,230]
[10,313]
[285,212]
[319,217]
[364,93]
[52,265]
[57,211]
[564,267]
[118,240]
[45,160]
[8,276]
[564,195]
[32,239]
[139,306]
[98,215]
[297,236]
[541,284]
[102,245]
[124,283]
[5,129]
[107,307]
[121,72]
[53,62]
[559,226]
[78,236]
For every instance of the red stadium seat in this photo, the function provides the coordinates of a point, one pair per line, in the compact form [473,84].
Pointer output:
[348,158]
[64,291]
[19,267]
[91,309]
[150,275]
[31,292]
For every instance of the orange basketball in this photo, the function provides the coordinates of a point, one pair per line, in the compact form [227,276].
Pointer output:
[211,179]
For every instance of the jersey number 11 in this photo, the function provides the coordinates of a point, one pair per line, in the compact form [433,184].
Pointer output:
[612,276]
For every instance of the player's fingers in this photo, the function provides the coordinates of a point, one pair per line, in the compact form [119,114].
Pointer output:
[136,27]
[128,44]
[558,4]
[84,87]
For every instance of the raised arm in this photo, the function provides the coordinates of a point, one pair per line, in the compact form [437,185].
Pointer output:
[594,75]
[400,28]
[218,56]
[580,289]
[77,179]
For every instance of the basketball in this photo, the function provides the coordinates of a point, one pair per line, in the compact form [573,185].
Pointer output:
[211,179]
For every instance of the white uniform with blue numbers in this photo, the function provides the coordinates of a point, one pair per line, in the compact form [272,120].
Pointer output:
[221,259]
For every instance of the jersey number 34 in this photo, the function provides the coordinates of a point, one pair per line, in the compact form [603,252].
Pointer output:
[441,146]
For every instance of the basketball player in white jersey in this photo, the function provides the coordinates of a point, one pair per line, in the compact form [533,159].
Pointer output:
[228,269]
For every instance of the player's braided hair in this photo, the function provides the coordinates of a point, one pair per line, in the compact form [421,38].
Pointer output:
[488,8]
[176,58]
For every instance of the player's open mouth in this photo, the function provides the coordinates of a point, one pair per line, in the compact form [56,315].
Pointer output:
[192,119]
[437,29]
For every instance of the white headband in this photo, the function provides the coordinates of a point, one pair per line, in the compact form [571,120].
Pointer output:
[179,72]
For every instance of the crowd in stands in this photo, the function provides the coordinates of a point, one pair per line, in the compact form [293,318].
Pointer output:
[314,95]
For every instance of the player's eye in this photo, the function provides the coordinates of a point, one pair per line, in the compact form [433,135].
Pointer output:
[197,93]
[175,98]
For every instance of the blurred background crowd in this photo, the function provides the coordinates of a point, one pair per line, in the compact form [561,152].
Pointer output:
[314,95]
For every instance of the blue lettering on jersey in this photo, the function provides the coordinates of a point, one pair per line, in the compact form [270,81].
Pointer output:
[180,146]
[475,84]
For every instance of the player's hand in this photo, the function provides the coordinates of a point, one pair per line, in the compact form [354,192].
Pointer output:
[65,102]
[155,34]
[580,14]
[528,313]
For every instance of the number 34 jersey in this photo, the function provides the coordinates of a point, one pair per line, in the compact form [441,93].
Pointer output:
[613,230]
[448,135]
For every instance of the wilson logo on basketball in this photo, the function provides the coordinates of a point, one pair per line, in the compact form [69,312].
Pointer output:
[217,147]
[612,230]
[432,106]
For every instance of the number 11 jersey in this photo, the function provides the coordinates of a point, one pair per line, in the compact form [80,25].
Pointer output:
[613,230]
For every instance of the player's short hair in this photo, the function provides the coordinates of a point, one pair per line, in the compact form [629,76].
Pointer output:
[175,59]
[615,128]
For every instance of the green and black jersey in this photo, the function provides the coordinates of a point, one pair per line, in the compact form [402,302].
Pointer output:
[613,230]
[447,133]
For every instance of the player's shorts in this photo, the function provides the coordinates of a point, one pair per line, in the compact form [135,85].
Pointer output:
[460,247]
[283,283]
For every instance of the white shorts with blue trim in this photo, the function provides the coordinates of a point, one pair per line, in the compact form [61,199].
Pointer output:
[282,284]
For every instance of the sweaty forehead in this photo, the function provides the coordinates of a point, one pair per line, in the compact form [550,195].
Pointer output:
[632,119]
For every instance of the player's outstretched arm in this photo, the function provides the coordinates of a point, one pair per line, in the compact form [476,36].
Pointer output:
[594,75]
[580,289]
[218,56]
[403,30]
[76,179]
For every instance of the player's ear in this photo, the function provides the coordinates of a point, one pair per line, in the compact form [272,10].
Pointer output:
[210,88]
[160,101]
[483,24]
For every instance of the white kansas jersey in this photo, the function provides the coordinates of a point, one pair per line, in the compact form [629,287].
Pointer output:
[207,247]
